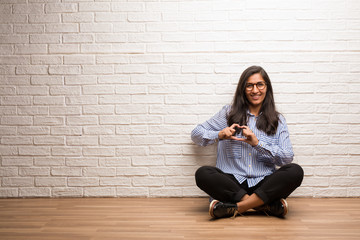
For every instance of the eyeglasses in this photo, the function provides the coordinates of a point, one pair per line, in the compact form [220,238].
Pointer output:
[259,85]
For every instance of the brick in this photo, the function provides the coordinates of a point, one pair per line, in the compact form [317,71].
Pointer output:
[66,151]
[16,100]
[16,140]
[49,140]
[50,182]
[99,192]
[179,181]
[64,48]
[30,8]
[46,80]
[165,192]
[98,89]
[81,100]
[61,70]
[65,90]
[144,17]
[34,171]
[127,7]
[95,27]
[17,161]
[34,192]
[132,192]
[34,151]
[78,38]
[49,100]
[147,120]
[44,18]
[83,182]
[18,38]
[8,192]
[128,27]
[18,181]
[144,37]
[97,69]
[114,181]
[82,120]
[42,60]
[34,130]
[77,17]
[8,130]
[114,99]
[131,109]
[65,171]
[164,171]
[94,7]
[33,90]
[99,130]
[147,161]
[61,7]
[61,28]
[128,48]
[99,151]
[67,192]
[132,150]
[114,140]
[79,59]
[24,70]
[80,80]
[49,161]
[115,161]
[114,120]
[16,121]
[82,162]
[66,131]
[148,181]
[60,111]
[110,17]
[82,141]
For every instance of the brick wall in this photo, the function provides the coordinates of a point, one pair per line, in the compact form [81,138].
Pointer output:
[98,98]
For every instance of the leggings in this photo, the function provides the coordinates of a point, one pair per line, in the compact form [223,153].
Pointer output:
[225,188]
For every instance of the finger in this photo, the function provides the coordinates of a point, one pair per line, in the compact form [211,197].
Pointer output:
[238,139]
[234,125]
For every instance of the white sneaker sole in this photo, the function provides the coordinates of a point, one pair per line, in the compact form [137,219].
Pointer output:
[286,206]
[211,207]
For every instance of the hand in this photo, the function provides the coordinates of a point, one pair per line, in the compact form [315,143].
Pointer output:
[250,137]
[228,132]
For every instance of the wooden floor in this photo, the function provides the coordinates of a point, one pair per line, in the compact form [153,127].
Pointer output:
[172,218]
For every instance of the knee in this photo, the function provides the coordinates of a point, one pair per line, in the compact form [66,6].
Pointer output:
[202,174]
[297,172]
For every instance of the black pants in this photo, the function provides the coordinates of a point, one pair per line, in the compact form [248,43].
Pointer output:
[225,188]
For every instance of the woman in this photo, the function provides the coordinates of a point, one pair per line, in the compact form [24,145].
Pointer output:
[253,139]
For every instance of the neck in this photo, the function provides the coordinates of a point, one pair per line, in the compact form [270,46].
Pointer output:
[255,110]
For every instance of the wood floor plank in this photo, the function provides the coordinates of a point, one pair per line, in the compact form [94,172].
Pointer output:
[172,218]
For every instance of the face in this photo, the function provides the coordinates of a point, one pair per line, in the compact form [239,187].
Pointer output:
[255,96]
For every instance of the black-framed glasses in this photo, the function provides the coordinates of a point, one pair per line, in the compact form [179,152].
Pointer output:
[259,85]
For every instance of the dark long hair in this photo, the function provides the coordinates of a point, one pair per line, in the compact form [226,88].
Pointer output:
[269,117]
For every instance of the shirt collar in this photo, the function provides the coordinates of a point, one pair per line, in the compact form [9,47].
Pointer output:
[250,114]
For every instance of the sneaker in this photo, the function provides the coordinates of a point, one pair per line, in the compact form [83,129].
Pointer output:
[221,210]
[278,208]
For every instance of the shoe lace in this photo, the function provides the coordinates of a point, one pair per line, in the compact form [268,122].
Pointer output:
[234,212]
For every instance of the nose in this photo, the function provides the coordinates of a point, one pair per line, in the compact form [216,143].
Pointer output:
[255,89]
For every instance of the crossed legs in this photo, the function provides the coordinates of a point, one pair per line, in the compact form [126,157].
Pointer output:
[225,188]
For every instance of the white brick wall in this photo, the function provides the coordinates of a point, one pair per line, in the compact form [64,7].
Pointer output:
[98,98]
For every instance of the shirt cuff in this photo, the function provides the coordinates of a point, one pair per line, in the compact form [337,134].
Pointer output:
[260,146]
[212,135]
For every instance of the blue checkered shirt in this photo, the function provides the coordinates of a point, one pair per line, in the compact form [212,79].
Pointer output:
[240,159]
